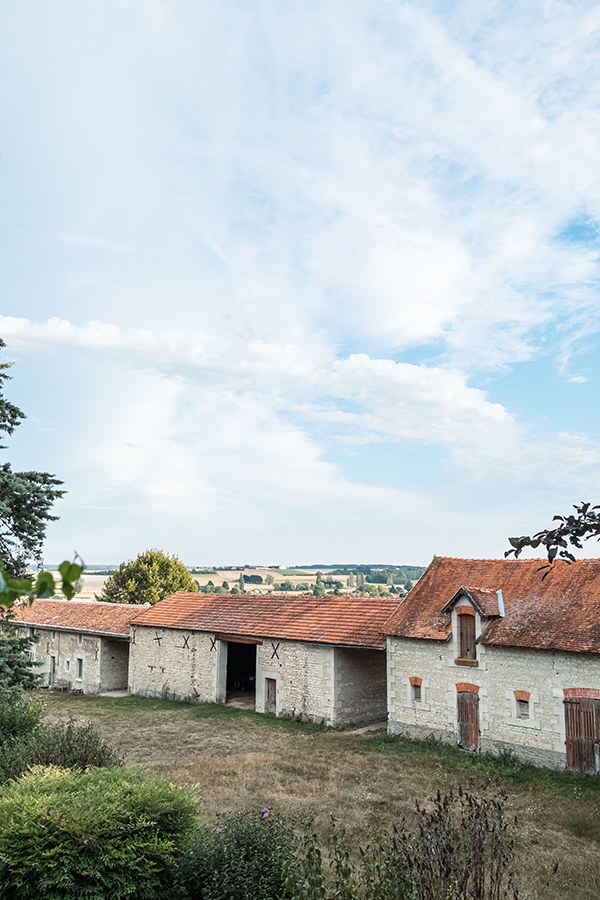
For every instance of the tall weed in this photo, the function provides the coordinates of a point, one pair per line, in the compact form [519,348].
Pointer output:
[246,856]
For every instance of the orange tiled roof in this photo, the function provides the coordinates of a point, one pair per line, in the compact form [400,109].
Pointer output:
[345,619]
[78,615]
[559,612]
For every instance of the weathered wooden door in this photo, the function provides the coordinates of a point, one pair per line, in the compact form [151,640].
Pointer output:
[582,730]
[271,701]
[52,675]
[468,720]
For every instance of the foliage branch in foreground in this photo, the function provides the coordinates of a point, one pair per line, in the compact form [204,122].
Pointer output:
[572,531]
[43,587]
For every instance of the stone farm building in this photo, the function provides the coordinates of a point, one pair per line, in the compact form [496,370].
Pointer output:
[490,655]
[319,658]
[83,644]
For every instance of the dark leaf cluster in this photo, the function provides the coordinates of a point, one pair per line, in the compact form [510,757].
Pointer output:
[571,532]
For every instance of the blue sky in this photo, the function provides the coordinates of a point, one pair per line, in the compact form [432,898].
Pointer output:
[302,281]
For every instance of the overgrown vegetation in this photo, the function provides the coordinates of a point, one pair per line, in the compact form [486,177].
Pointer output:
[248,854]
[237,758]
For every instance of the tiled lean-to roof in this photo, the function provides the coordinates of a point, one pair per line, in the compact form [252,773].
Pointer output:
[78,615]
[558,612]
[346,619]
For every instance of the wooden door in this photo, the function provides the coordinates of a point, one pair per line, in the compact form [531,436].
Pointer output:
[52,670]
[468,720]
[582,731]
[271,700]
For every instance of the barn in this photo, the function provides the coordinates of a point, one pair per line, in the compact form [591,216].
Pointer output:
[499,655]
[315,658]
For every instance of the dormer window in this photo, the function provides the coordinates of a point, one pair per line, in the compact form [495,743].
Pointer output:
[467,637]
[467,648]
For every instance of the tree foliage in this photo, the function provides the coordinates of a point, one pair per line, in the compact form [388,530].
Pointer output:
[26,498]
[151,577]
[17,669]
[571,532]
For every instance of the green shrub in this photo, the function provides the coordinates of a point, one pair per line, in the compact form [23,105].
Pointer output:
[103,833]
[247,856]
[67,746]
[18,717]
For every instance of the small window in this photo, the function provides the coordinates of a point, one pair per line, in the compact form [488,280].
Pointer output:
[416,693]
[53,635]
[80,668]
[522,709]
[68,665]
[32,632]
[80,639]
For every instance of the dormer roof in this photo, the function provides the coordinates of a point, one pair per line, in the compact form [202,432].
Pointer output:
[486,603]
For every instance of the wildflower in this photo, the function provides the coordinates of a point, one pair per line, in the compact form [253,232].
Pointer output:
[265,814]
[218,831]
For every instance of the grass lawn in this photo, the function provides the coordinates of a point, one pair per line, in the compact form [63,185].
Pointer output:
[236,758]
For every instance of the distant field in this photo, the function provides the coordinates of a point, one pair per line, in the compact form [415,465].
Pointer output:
[235,758]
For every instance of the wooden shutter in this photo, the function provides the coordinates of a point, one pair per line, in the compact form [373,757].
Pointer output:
[271,699]
[468,719]
[582,731]
[467,637]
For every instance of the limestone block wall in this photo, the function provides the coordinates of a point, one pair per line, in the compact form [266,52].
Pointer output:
[499,673]
[67,648]
[360,686]
[180,663]
[304,675]
[114,664]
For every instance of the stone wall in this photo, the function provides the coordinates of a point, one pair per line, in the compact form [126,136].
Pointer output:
[183,664]
[304,675]
[360,686]
[500,671]
[114,664]
[317,682]
[67,648]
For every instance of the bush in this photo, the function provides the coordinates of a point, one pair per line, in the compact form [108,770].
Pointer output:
[67,835]
[18,717]
[247,856]
[68,746]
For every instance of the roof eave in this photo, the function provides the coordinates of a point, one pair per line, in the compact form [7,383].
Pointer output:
[74,630]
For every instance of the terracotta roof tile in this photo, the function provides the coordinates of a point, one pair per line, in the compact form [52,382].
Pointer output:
[78,615]
[349,620]
[560,611]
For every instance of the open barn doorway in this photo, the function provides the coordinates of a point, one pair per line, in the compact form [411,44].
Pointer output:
[241,674]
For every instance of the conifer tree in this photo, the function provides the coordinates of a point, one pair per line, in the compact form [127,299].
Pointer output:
[26,498]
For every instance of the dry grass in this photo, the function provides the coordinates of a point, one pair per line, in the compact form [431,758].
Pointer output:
[236,758]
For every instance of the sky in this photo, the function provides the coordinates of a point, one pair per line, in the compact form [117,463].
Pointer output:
[302,282]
